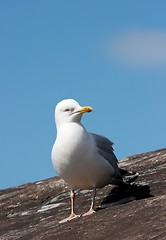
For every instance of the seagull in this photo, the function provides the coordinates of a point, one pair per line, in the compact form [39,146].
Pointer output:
[84,160]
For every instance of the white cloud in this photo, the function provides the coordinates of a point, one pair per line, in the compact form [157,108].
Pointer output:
[139,48]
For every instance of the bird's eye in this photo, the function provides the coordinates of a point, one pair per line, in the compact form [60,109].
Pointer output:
[67,110]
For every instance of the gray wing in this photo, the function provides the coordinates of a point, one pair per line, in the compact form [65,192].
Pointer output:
[105,149]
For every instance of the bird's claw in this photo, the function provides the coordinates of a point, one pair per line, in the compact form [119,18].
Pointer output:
[91,211]
[71,217]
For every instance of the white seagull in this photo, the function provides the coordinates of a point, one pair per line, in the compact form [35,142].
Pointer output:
[84,160]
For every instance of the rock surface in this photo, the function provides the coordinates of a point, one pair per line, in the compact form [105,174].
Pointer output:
[33,211]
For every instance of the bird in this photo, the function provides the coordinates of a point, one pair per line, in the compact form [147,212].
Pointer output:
[84,160]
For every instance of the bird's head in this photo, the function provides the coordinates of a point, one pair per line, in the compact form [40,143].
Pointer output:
[69,110]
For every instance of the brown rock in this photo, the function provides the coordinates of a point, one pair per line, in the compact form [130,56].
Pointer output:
[33,211]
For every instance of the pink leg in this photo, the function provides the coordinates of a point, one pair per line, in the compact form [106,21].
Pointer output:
[72,215]
[91,210]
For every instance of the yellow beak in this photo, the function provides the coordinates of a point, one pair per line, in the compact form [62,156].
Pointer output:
[85,109]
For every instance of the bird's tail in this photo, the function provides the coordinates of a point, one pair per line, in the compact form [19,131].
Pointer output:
[128,176]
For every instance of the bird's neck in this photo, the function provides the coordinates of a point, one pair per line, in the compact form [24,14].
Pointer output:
[69,127]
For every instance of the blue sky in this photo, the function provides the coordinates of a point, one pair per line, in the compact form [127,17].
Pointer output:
[110,55]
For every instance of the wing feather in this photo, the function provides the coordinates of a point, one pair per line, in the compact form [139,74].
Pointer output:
[105,149]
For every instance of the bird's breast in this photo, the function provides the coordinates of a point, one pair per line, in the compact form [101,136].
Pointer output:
[69,149]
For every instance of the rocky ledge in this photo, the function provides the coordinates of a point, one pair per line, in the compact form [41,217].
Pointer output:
[33,211]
